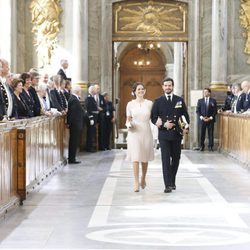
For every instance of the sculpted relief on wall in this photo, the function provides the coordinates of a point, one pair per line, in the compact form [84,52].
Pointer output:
[163,20]
[245,23]
[46,25]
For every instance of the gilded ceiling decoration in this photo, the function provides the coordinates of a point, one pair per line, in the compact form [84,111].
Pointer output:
[245,23]
[46,26]
[150,18]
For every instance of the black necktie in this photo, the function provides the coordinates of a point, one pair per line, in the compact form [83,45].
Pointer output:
[169,98]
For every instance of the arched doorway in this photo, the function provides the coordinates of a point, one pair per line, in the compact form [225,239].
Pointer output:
[150,72]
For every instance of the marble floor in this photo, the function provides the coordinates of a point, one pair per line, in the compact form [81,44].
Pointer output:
[92,206]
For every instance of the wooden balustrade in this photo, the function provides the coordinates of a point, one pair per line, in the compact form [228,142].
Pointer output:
[30,150]
[234,136]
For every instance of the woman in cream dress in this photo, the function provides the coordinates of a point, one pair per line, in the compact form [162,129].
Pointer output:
[140,139]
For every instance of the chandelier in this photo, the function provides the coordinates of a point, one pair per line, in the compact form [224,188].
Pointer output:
[148,45]
[144,53]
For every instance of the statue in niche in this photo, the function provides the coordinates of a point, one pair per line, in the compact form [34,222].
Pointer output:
[245,23]
[46,21]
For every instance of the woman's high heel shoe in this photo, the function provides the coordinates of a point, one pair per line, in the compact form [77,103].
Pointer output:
[136,189]
[143,184]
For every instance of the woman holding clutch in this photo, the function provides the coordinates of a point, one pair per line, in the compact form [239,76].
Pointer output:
[140,139]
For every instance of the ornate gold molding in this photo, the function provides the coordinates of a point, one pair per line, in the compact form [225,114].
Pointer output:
[159,20]
[46,25]
[245,23]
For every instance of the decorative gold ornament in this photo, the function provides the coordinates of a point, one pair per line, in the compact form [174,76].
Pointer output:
[150,18]
[46,21]
[245,23]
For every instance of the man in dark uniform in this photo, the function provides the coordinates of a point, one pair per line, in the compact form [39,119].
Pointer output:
[168,113]
[207,110]
[7,95]
[92,111]
[75,123]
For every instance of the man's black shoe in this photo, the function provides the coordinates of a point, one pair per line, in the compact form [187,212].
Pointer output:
[210,149]
[74,162]
[202,149]
[173,187]
[168,190]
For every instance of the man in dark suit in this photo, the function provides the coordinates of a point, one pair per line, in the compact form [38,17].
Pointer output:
[34,76]
[206,110]
[92,111]
[100,119]
[167,113]
[75,123]
[62,70]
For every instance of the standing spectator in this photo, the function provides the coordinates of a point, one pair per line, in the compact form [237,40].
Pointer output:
[109,119]
[229,99]
[166,113]
[5,87]
[20,107]
[34,77]
[207,110]
[26,95]
[67,89]
[75,123]
[92,112]
[62,70]
[56,101]
[2,102]
[100,120]
[244,99]
[235,108]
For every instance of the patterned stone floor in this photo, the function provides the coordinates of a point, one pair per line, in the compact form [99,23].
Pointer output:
[92,206]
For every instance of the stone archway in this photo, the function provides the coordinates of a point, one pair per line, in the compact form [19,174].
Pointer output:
[150,75]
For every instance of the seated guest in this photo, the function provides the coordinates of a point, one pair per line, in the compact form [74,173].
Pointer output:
[20,107]
[26,95]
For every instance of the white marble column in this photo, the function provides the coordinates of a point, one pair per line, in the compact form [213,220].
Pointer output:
[169,70]
[219,43]
[80,41]
[178,69]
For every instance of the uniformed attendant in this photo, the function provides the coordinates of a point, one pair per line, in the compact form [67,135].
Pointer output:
[92,111]
[167,113]
[4,86]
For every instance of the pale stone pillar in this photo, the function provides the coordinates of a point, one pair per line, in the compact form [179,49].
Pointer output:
[80,41]
[219,44]
[178,69]
[169,70]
